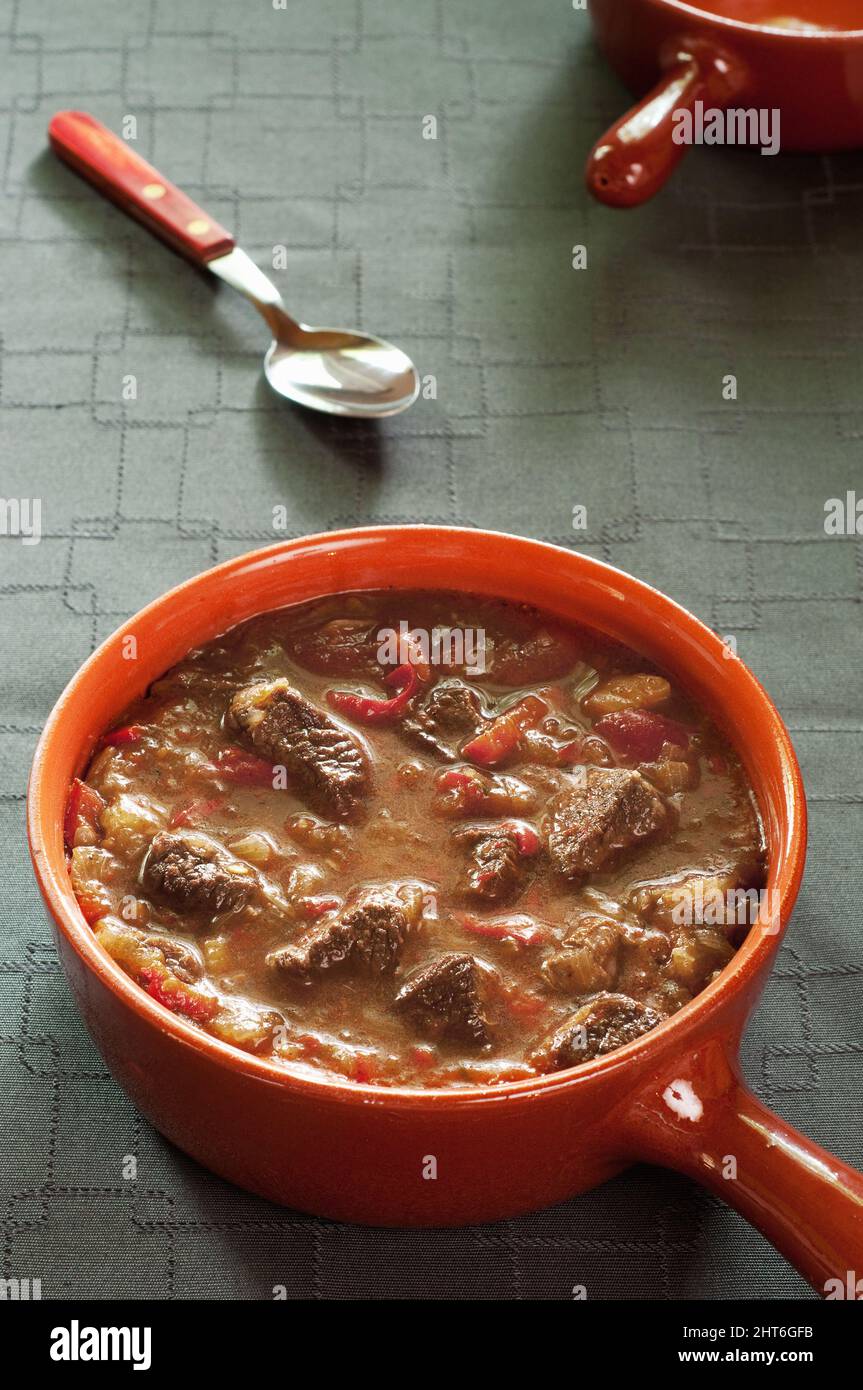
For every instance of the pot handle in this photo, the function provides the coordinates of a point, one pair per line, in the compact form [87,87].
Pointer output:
[635,157]
[703,1120]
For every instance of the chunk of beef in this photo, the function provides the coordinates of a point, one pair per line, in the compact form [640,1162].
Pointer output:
[605,811]
[496,867]
[545,654]
[325,761]
[195,873]
[450,714]
[445,999]
[600,1026]
[366,937]
[344,646]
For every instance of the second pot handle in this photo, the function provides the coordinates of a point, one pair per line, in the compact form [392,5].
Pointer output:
[635,157]
[705,1122]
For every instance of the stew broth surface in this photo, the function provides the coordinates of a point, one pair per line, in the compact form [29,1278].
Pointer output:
[354,855]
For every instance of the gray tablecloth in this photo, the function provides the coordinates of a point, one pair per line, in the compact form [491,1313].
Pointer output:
[556,387]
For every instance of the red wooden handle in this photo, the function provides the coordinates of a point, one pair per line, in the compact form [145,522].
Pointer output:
[128,180]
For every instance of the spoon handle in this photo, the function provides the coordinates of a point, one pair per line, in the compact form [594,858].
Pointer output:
[134,185]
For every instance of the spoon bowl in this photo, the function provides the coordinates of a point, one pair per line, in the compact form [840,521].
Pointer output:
[341,373]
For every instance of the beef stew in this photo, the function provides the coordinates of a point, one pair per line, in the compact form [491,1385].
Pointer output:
[420,839]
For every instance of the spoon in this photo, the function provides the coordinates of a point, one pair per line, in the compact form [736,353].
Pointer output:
[329,369]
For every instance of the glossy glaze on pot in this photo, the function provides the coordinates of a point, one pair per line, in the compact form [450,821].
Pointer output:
[350,1152]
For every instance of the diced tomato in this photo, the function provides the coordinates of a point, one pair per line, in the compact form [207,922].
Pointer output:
[243,769]
[92,907]
[502,736]
[367,710]
[122,737]
[570,753]
[84,807]
[524,834]
[519,928]
[193,812]
[467,785]
[524,1004]
[178,996]
[640,735]
[469,792]
[423,1057]
[363,1069]
[458,779]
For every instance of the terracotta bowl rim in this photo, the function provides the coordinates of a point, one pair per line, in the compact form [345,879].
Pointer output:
[752,957]
[728,22]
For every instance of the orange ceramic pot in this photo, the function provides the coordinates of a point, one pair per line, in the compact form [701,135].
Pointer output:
[723,54]
[357,1152]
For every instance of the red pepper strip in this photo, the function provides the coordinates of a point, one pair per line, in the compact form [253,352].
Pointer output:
[178,997]
[84,807]
[524,835]
[316,906]
[519,929]
[404,679]
[503,735]
[122,737]
[244,769]
[194,811]
[366,710]
[640,734]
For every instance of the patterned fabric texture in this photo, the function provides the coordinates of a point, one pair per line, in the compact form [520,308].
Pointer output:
[302,127]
